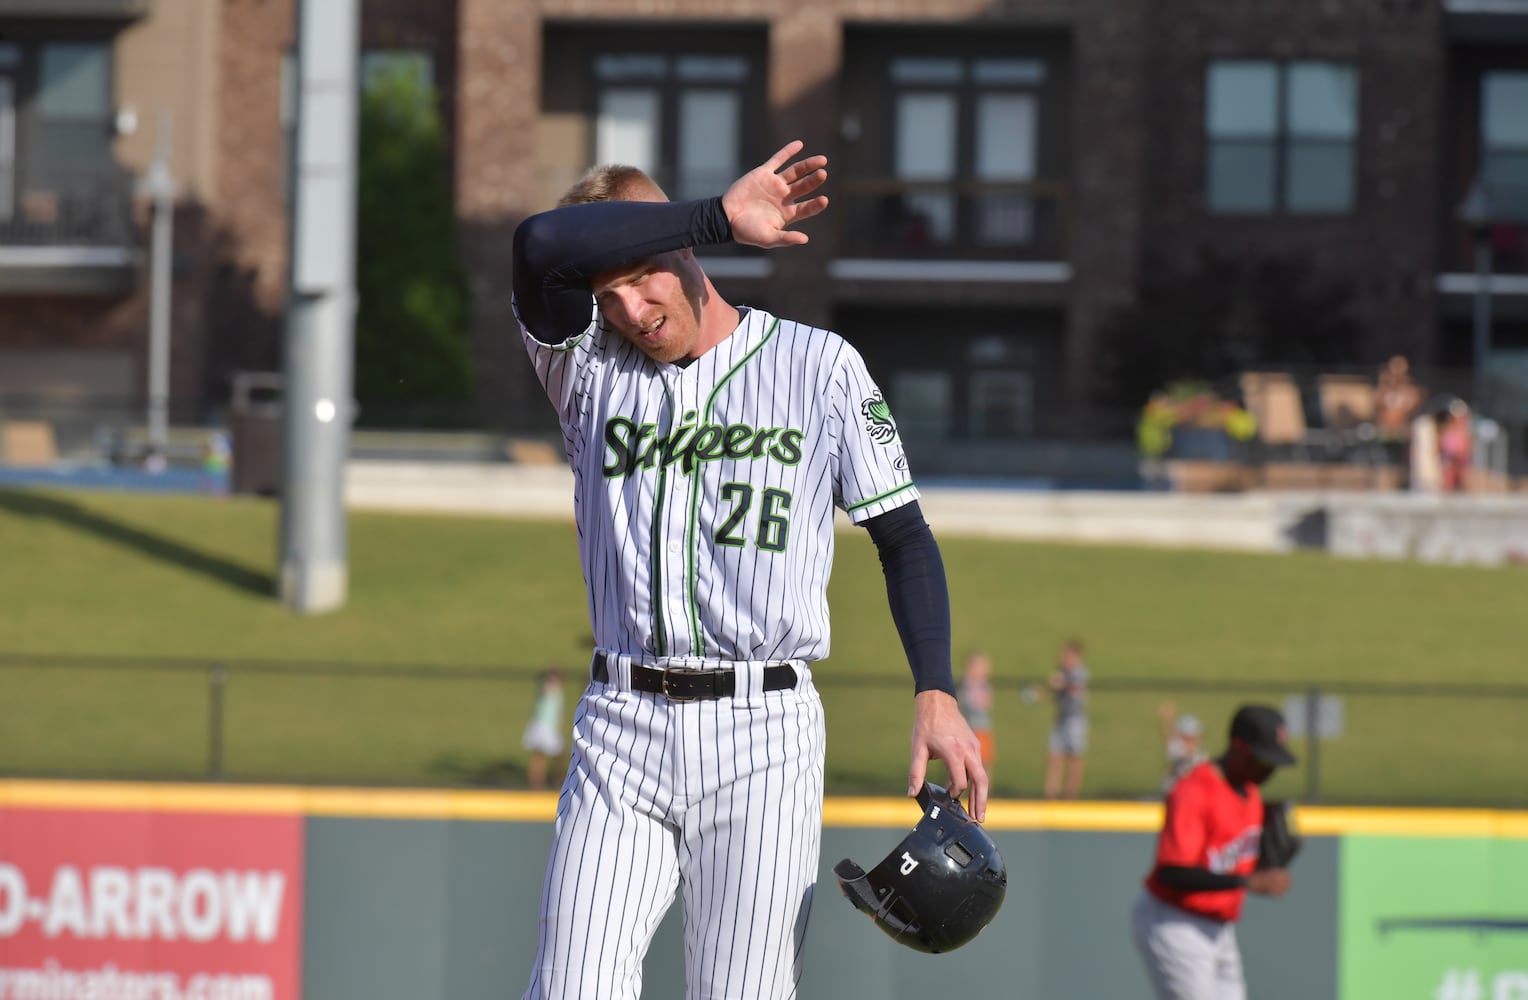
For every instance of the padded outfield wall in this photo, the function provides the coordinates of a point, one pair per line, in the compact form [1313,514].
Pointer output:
[276,893]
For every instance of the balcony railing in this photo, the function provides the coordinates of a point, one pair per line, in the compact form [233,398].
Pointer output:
[96,212]
[1509,249]
[75,238]
[890,218]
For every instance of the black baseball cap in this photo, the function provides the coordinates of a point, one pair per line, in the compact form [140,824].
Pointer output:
[1262,728]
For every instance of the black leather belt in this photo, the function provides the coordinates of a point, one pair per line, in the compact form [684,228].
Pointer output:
[689,684]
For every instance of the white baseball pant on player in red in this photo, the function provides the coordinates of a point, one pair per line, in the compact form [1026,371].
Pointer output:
[1188,957]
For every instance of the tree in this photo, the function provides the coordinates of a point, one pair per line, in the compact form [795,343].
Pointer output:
[411,361]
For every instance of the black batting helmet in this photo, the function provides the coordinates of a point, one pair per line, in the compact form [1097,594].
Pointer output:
[939,887]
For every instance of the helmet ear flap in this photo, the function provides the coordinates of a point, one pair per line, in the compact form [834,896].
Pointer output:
[855,883]
[873,895]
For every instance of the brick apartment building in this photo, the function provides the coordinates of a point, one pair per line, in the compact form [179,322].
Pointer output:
[1006,175]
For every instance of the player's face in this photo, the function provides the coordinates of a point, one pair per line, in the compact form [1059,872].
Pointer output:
[654,304]
[1243,765]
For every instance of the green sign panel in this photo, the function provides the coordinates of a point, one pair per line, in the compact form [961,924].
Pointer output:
[1433,918]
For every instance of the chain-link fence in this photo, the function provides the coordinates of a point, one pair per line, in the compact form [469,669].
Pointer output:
[247,721]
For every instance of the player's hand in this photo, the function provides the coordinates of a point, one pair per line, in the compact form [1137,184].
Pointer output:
[771,197]
[940,732]
[1269,882]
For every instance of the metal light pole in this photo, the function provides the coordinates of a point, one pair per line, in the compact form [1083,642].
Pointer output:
[1475,211]
[160,186]
[320,311]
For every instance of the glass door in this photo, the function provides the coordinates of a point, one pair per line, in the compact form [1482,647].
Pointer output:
[7,147]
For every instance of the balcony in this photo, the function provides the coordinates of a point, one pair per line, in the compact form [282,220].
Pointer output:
[895,229]
[1495,22]
[74,239]
[54,9]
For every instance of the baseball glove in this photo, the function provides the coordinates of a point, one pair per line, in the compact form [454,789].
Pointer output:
[1279,843]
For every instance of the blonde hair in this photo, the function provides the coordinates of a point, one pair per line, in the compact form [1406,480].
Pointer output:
[612,182]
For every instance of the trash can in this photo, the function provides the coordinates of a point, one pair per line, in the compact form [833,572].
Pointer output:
[256,411]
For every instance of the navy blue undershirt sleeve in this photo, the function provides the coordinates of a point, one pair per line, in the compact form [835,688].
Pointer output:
[918,593]
[557,252]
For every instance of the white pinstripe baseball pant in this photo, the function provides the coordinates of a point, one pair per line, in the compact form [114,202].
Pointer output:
[722,798]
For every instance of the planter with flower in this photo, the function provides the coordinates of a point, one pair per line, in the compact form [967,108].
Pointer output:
[1189,424]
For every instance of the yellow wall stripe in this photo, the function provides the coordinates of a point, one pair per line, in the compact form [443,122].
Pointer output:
[358,802]
[539,807]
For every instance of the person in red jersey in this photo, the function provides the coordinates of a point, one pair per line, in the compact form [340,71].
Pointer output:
[1185,918]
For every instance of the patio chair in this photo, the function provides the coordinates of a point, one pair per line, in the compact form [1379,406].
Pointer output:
[1274,399]
[28,444]
[1347,413]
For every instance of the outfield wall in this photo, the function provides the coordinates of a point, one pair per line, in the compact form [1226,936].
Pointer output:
[275,893]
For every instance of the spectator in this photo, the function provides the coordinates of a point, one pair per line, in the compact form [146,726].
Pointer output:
[1425,473]
[1397,403]
[975,696]
[1181,737]
[543,734]
[217,452]
[1396,400]
[1456,446]
[1069,736]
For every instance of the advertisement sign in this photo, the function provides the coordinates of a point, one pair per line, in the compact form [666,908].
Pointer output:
[1434,918]
[139,905]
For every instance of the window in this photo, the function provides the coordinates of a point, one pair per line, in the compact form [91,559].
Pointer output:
[1504,142]
[1002,404]
[1005,151]
[960,119]
[413,70]
[380,64]
[7,148]
[921,404]
[287,116]
[677,116]
[403,83]
[74,113]
[10,64]
[993,374]
[1282,137]
[59,182]
[954,143]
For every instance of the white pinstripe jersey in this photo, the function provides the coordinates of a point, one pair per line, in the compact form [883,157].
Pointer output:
[704,494]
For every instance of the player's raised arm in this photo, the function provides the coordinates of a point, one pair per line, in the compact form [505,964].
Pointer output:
[557,253]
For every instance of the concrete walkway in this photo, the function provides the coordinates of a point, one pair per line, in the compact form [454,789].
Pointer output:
[1480,530]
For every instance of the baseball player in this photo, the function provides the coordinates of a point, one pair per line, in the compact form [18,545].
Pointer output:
[1185,919]
[709,445]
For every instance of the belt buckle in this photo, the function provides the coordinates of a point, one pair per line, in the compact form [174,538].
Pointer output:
[668,692]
